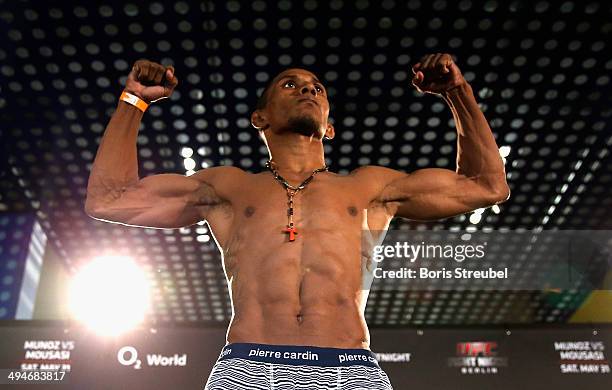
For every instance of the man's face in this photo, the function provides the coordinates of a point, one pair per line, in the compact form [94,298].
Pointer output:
[297,101]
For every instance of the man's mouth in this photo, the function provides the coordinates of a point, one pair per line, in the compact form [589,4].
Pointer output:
[302,100]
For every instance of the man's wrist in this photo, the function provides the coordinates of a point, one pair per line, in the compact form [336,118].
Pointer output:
[462,88]
[458,93]
[134,100]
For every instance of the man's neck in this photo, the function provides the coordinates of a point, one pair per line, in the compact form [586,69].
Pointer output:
[295,154]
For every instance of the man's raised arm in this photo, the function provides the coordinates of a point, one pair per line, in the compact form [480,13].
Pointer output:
[114,191]
[479,180]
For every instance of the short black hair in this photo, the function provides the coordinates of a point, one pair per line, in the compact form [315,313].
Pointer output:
[262,100]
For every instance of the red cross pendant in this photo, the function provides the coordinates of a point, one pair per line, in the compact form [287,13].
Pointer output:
[292,232]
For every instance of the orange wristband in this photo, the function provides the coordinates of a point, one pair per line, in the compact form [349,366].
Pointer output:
[134,100]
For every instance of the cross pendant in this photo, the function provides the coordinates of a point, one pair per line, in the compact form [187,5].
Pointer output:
[292,232]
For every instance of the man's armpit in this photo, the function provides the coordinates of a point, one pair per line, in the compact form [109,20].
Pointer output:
[206,196]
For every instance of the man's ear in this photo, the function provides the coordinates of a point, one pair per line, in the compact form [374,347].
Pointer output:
[258,120]
[330,132]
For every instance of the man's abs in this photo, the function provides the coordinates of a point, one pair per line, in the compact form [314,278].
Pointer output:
[315,298]
[323,324]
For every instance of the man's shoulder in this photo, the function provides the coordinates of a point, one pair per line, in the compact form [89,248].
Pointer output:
[376,172]
[224,173]
[374,178]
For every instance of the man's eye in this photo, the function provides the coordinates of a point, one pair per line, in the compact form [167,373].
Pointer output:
[291,84]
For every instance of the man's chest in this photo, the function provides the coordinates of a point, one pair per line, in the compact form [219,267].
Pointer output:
[322,202]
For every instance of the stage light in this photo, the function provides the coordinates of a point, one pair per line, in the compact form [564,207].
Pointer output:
[110,295]
[186,152]
[189,163]
[475,218]
[203,238]
[504,151]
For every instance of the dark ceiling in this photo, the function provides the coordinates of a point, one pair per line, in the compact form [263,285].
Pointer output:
[540,70]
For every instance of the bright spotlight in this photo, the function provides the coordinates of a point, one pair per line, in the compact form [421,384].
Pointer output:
[475,218]
[186,152]
[504,151]
[189,163]
[110,295]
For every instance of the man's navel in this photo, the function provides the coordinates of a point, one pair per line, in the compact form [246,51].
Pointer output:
[249,211]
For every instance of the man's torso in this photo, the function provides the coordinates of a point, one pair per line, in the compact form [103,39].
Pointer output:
[309,291]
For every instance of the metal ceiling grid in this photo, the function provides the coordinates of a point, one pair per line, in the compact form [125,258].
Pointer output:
[541,72]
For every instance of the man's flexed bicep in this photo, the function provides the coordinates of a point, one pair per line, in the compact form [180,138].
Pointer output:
[115,193]
[435,193]
[166,200]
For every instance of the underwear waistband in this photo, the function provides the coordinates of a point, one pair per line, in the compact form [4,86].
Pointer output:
[299,355]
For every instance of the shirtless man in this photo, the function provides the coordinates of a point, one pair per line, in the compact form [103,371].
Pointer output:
[297,298]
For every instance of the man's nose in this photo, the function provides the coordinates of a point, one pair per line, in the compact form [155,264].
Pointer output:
[309,88]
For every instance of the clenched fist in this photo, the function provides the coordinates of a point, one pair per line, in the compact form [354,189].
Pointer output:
[151,81]
[436,73]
